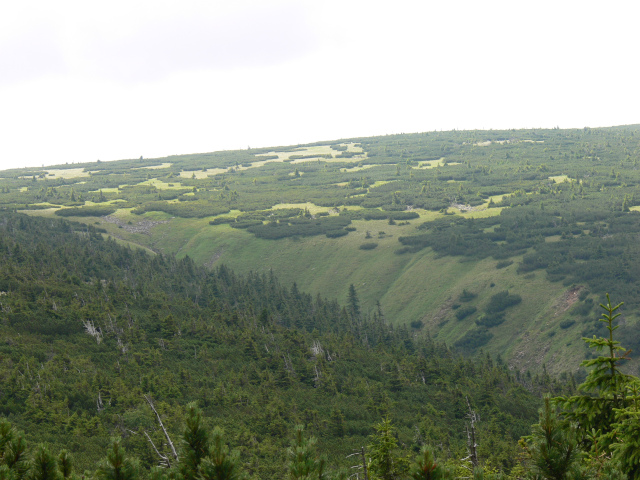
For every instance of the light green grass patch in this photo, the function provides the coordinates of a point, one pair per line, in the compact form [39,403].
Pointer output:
[199,174]
[46,212]
[24,189]
[479,213]
[489,142]
[355,159]
[430,164]
[154,216]
[299,161]
[66,173]
[380,183]
[496,198]
[313,209]
[106,190]
[347,208]
[351,147]
[559,178]
[258,164]
[161,185]
[127,243]
[89,203]
[426,215]
[357,169]
[319,150]
[125,214]
[154,167]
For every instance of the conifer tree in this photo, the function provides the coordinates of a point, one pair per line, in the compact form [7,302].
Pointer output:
[195,441]
[553,450]
[13,456]
[6,473]
[626,447]
[426,467]
[220,464]
[605,388]
[43,465]
[117,466]
[159,473]
[354,303]
[65,464]
[387,463]
[337,422]
[305,463]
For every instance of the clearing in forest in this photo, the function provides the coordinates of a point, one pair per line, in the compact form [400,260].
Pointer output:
[160,185]
[560,178]
[66,173]
[154,167]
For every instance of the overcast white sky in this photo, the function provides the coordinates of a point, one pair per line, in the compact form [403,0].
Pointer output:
[85,80]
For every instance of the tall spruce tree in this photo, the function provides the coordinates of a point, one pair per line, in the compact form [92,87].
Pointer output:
[221,464]
[387,462]
[553,450]
[117,466]
[65,464]
[427,468]
[604,391]
[44,465]
[305,463]
[195,443]
[353,301]
[13,452]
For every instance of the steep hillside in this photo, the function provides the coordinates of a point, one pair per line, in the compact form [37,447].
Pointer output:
[545,217]
[88,327]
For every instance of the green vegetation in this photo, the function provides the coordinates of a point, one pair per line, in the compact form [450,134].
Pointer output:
[465,311]
[95,338]
[593,434]
[535,212]
[501,301]
[85,212]
[121,360]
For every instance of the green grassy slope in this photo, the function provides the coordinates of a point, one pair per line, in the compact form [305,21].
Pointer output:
[581,176]
[421,287]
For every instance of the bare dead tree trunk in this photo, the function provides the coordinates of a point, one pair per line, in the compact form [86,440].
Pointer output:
[164,460]
[166,434]
[472,445]
[364,464]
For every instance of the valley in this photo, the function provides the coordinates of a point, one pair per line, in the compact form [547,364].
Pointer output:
[252,210]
